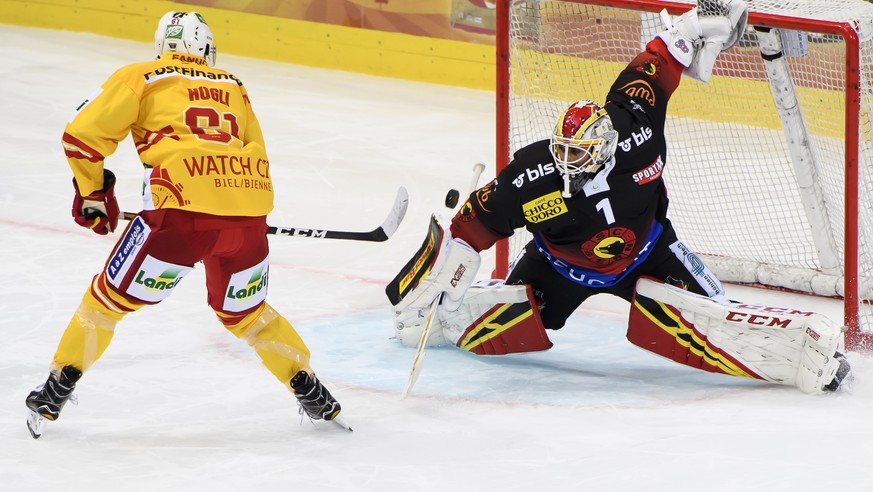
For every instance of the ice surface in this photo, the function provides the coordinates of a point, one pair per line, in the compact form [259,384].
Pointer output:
[177,403]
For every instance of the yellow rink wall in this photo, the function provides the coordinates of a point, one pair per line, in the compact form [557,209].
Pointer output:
[286,40]
[381,53]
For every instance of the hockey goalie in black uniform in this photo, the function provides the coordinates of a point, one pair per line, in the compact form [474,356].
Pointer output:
[594,199]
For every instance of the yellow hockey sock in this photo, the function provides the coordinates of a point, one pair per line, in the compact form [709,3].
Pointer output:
[277,343]
[87,335]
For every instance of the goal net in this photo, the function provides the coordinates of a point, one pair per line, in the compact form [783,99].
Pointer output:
[770,167]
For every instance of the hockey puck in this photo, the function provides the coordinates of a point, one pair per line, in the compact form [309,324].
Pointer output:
[452,198]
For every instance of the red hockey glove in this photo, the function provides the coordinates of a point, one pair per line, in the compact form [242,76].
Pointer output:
[99,210]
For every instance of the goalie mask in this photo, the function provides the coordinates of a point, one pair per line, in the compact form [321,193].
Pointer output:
[582,142]
[185,32]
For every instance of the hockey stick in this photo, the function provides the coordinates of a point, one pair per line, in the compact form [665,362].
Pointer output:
[418,361]
[379,234]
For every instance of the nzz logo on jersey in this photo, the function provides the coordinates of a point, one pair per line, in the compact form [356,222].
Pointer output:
[534,174]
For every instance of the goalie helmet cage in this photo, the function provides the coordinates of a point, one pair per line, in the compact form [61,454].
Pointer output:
[768,162]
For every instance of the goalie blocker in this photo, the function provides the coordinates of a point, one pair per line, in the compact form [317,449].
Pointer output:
[779,345]
[485,319]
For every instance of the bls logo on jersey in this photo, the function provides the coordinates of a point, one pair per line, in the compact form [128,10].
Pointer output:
[534,174]
[156,279]
[247,288]
[637,138]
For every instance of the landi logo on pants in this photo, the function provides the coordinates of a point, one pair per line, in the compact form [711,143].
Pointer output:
[247,288]
[156,279]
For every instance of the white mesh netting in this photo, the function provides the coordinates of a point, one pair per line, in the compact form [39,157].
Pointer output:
[737,196]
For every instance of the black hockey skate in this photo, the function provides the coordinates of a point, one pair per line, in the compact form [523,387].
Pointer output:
[841,374]
[46,402]
[315,400]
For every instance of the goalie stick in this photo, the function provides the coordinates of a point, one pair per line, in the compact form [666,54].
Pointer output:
[418,361]
[478,168]
[379,234]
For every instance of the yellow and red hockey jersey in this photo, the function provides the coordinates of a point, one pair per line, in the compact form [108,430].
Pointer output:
[195,131]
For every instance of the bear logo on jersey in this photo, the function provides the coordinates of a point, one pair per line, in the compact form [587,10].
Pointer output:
[610,245]
[651,67]
[467,213]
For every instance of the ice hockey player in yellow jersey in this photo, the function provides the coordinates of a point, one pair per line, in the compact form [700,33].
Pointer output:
[206,193]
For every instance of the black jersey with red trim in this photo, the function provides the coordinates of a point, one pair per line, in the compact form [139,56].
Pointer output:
[607,225]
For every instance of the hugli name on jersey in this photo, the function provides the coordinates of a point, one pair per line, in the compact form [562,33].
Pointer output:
[203,93]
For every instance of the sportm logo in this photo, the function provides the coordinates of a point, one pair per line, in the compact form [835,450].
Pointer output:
[248,288]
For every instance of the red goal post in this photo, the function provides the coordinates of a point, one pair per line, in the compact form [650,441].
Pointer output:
[767,163]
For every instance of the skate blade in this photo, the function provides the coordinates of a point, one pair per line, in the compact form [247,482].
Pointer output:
[35,424]
[341,421]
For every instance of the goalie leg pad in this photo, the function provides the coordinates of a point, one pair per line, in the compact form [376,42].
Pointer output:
[820,358]
[661,328]
[496,320]
[779,345]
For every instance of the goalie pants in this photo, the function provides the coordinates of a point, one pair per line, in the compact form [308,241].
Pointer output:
[670,261]
[153,254]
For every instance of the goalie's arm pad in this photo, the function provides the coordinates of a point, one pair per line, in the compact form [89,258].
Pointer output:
[696,37]
[443,265]
[779,345]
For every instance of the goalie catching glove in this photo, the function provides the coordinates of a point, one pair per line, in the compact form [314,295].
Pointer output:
[98,210]
[696,37]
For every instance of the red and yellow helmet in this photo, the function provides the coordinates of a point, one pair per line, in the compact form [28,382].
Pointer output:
[583,140]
